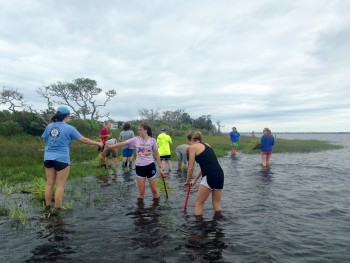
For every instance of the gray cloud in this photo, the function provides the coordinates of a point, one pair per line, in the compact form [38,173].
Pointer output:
[249,64]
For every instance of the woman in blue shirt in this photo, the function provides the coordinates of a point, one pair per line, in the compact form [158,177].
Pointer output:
[58,137]
[267,141]
[233,137]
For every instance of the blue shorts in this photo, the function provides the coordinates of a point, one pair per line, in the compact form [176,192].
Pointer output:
[182,157]
[128,152]
[148,171]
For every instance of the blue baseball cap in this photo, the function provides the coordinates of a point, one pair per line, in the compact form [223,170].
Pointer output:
[62,110]
[163,129]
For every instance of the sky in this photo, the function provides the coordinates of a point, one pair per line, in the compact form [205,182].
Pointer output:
[250,64]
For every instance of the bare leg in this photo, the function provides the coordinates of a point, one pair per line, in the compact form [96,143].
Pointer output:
[163,165]
[268,160]
[61,180]
[233,150]
[154,188]
[216,199]
[263,159]
[202,195]
[141,184]
[169,165]
[179,164]
[50,182]
[115,162]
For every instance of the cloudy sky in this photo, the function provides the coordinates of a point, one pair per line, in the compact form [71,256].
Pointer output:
[251,64]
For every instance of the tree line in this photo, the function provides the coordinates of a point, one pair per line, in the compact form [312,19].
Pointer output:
[85,100]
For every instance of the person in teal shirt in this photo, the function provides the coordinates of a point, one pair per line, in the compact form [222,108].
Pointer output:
[164,141]
[233,137]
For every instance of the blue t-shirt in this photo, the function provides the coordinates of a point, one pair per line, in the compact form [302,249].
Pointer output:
[234,136]
[266,143]
[58,137]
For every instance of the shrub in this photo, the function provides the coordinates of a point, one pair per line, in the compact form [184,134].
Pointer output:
[10,128]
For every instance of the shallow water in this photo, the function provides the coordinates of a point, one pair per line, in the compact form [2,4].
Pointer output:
[297,211]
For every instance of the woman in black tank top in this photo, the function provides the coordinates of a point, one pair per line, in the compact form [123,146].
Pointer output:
[212,181]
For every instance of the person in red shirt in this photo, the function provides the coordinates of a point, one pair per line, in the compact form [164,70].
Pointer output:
[104,132]
[104,136]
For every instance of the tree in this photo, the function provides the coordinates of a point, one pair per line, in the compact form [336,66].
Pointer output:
[13,97]
[204,122]
[176,118]
[149,115]
[218,123]
[80,96]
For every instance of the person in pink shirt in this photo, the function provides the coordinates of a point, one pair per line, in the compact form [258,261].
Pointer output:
[145,146]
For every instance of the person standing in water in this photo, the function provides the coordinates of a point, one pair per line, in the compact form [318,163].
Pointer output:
[104,136]
[58,137]
[233,137]
[212,181]
[127,152]
[267,142]
[145,146]
[164,141]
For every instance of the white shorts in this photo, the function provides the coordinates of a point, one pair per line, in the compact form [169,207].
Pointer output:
[205,183]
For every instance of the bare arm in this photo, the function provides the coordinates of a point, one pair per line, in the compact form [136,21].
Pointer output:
[158,160]
[118,144]
[191,160]
[88,141]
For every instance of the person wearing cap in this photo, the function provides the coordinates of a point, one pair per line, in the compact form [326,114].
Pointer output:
[164,141]
[58,137]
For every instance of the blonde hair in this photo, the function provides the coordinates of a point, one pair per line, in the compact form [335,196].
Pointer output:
[196,136]
[268,132]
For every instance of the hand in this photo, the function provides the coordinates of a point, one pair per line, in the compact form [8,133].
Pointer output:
[191,183]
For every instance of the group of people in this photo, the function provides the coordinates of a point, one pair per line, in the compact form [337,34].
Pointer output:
[107,139]
[267,141]
[151,154]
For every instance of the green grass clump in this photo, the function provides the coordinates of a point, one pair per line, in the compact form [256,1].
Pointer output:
[4,211]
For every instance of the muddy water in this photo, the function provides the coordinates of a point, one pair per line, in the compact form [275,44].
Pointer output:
[297,211]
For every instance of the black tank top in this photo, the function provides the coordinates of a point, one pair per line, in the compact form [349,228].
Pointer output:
[210,167]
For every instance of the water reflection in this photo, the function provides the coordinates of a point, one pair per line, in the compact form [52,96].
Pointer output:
[265,174]
[147,225]
[205,239]
[128,176]
[55,240]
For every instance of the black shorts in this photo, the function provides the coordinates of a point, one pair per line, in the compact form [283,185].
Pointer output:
[58,166]
[165,158]
[147,171]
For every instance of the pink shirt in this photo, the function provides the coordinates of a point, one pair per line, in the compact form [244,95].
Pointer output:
[144,149]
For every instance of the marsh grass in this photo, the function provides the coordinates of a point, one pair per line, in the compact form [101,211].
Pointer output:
[18,213]
[4,211]
[24,162]
[221,145]
[38,188]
